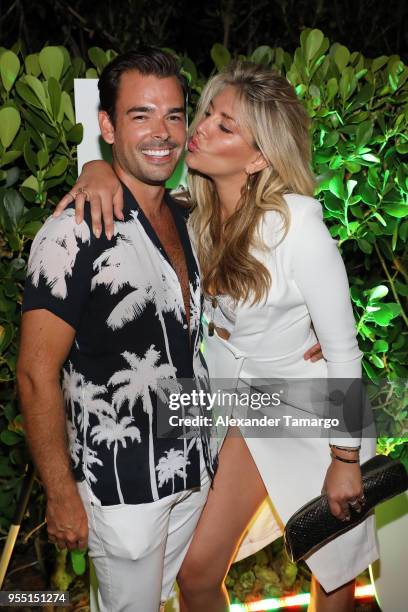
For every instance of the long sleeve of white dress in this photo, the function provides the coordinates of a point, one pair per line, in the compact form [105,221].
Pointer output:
[319,272]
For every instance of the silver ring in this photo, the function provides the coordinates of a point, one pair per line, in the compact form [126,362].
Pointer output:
[353,503]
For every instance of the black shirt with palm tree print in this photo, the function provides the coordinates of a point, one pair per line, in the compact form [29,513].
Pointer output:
[132,346]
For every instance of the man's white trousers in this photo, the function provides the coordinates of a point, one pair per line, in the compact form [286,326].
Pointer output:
[137,550]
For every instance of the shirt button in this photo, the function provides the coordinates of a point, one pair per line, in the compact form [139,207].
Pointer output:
[185,326]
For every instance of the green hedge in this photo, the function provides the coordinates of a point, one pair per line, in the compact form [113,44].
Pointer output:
[359,117]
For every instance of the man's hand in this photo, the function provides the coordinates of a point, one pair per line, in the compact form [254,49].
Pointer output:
[314,353]
[67,522]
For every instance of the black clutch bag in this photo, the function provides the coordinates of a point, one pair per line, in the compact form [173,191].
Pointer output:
[314,525]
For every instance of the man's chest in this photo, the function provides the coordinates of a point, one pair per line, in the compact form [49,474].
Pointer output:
[168,236]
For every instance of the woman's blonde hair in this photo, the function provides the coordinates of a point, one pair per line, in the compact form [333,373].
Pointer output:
[279,127]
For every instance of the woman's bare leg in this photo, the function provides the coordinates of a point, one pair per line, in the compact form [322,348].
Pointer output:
[236,495]
[340,600]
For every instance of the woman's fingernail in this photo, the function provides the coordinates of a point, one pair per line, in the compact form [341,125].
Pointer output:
[97,233]
[109,235]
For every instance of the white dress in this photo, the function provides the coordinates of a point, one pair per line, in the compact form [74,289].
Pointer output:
[268,340]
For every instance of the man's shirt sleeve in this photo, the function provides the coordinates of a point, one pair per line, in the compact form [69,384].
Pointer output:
[59,269]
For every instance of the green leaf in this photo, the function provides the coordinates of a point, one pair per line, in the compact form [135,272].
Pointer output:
[377,293]
[27,94]
[42,158]
[54,91]
[336,186]
[13,174]
[78,559]
[9,69]
[350,188]
[402,147]
[341,57]
[36,86]
[377,361]
[402,288]
[371,373]
[380,346]
[385,314]
[31,182]
[371,158]
[76,133]
[365,246]
[331,138]
[347,83]
[379,62]
[67,106]
[190,68]
[30,229]
[30,158]
[396,209]
[6,336]
[58,168]
[98,58]
[32,64]
[5,468]
[10,122]
[332,88]
[313,43]
[262,55]
[51,61]
[91,73]
[220,56]
[363,134]
[332,203]
[14,206]
[10,437]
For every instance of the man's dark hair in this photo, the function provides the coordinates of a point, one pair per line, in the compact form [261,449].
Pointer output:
[146,61]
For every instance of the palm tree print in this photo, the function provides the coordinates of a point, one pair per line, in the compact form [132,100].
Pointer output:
[195,309]
[71,385]
[54,251]
[91,457]
[93,403]
[114,431]
[114,271]
[75,447]
[171,465]
[144,377]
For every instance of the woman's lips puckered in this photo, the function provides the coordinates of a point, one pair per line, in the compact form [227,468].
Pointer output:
[192,145]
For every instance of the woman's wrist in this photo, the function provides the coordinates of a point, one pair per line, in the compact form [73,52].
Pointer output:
[345,454]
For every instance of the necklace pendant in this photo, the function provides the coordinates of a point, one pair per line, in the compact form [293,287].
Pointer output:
[214,302]
[211,328]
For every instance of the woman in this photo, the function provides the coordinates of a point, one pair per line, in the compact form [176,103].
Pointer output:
[269,270]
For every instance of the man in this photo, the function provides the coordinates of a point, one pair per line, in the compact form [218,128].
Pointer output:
[119,317]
